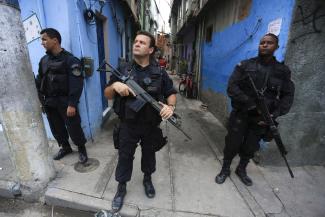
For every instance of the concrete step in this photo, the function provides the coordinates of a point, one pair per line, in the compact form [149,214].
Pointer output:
[73,200]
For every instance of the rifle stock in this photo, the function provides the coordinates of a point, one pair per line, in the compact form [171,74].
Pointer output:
[143,96]
[261,105]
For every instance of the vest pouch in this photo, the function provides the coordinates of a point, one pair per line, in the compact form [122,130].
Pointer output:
[129,113]
[116,136]
[274,85]
[57,84]
[273,93]
[160,140]
[118,106]
[136,104]
[154,88]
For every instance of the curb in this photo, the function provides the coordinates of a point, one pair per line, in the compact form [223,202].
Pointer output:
[5,189]
[73,200]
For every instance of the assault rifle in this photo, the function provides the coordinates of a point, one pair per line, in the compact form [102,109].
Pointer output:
[142,97]
[261,105]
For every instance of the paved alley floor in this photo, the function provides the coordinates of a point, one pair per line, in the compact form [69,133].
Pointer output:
[184,179]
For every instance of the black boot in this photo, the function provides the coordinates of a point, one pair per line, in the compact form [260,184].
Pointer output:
[117,202]
[224,173]
[65,150]
[83,157]
[149,189]
[242,174]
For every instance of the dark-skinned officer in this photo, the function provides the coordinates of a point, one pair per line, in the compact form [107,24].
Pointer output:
[60,83]
[143,125]
[246,126]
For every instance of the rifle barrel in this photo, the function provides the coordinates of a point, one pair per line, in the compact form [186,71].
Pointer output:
[287,164]
[269,120]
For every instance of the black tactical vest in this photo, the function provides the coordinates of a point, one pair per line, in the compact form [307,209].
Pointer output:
[152,84]
[56,75]
[269,80]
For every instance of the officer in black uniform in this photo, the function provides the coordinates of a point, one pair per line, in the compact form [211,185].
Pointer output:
[246,126]
[143,125]
[59,83]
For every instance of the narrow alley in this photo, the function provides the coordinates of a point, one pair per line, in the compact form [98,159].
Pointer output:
[252,70]
[184,179]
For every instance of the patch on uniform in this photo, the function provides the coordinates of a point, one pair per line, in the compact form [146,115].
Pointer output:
[76,65]
[76,71]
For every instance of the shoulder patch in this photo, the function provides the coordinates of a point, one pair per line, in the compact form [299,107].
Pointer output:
[76,72]
[75,65]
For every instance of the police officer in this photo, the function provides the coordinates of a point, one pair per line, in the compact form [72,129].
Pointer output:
[246,126]
[143,125]
[59,83]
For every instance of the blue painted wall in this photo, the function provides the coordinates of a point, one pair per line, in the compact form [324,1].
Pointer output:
[231,45]
[79,38]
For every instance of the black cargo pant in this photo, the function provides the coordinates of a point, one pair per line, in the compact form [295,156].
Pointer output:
[129,135]
[62,126]
[243,136]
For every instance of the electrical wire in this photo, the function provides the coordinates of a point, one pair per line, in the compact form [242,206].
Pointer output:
[250,36]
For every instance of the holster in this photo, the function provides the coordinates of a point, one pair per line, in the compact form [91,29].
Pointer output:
[116,136]
[160,140]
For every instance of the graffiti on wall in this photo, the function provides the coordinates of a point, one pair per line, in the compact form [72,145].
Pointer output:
[307,19]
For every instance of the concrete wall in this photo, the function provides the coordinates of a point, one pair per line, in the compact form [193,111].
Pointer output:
[21,122]
[303,129]
[80,38]
[236,37]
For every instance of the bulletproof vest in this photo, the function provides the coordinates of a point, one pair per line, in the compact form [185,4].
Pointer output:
[268,79]
[56,75]
[151,82]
